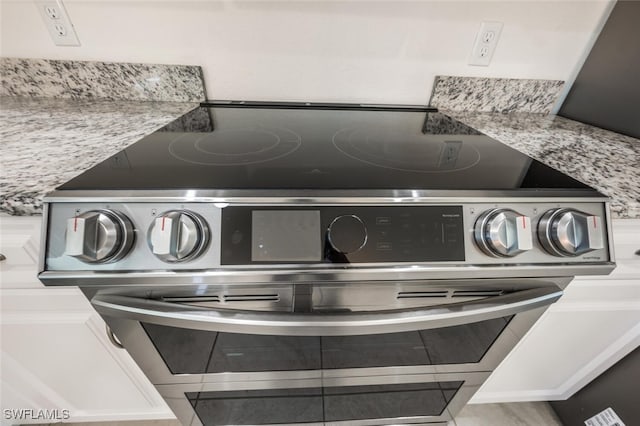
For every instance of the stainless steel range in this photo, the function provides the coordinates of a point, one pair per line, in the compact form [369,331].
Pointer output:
[321,264]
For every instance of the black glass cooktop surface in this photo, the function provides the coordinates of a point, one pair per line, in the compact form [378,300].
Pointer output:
[286,148]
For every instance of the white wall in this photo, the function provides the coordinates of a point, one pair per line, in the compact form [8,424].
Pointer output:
[384,51]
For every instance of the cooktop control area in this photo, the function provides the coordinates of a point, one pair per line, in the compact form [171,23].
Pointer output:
[349,234]
[205,236]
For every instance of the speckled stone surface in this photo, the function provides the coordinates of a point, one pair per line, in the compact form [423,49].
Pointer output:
[46,142]
[494,94]
[197,120]
[100,80]
[440,124]
[604,160]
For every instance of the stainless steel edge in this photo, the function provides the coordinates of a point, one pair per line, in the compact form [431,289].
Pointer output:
[397,421]
[112,337]
[291,324]
[324,196]
[42,257]
[609,223]
[331,273]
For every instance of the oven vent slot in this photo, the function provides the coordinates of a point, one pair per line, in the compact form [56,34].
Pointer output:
[225,298]
[192,299]
[422,294]
[250,298]
[477,293]
[270,300]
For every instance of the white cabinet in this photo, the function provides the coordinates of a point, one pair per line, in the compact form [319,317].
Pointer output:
[594,325]
[20,247]
[55,354]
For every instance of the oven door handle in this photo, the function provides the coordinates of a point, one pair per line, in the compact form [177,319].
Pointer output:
[322,324]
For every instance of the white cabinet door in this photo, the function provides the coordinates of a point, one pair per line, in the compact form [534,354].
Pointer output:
[58,364]
[19,246]
[626,238]
[594,325]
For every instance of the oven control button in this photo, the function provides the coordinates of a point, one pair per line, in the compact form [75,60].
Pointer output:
[99,236]
[503,233]
[178,236]
[568,232]
[347,234]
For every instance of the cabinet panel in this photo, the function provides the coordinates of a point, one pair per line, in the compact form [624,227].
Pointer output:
[600,291]
[77,354]
[626,241]
[56,349]
[20,245]
[593,325]
[563,352]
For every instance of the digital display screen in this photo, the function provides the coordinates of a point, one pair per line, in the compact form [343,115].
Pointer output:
[285,236]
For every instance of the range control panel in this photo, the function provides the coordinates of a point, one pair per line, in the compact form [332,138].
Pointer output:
[198,236]
[349,234]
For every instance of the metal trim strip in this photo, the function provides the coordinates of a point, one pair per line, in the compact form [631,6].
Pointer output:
[326,197]
[365,273]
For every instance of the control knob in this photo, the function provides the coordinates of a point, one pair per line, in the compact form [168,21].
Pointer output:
[99,236]
[503,233]
[347,234]
[178,236]
[568,232]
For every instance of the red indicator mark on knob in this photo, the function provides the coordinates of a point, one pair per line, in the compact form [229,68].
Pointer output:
[75,224]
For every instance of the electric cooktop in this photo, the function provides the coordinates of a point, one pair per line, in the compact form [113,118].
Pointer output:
[298,187]
[240,145]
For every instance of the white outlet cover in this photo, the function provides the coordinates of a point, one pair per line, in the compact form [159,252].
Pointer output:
[57,21]
[485,43]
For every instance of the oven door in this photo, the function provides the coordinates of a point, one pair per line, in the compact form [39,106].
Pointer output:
[391,400]
[346,345]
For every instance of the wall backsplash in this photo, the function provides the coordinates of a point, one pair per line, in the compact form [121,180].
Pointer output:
[495,94]
[100,80]
[333,51]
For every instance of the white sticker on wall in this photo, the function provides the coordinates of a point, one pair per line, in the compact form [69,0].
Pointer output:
[607,417]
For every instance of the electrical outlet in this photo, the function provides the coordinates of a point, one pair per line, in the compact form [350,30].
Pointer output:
[485,44]
[57,21]
[52,12]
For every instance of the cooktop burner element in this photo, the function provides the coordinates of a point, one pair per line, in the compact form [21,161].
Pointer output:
[281,147]
[375,147]
[235,146]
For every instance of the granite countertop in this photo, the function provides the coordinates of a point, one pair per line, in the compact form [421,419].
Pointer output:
[45,142]
[604,160]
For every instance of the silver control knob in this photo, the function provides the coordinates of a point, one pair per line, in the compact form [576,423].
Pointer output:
[178,236]
[569,232]
[503,233]
[99,236]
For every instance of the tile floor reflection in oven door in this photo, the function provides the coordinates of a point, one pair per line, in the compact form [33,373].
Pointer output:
[380,400]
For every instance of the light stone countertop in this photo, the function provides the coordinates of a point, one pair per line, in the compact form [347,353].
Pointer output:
[604,160]
[45,142]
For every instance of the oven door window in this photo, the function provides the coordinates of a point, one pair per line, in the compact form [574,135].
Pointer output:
[188,351]
[253,407]
[328,404]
